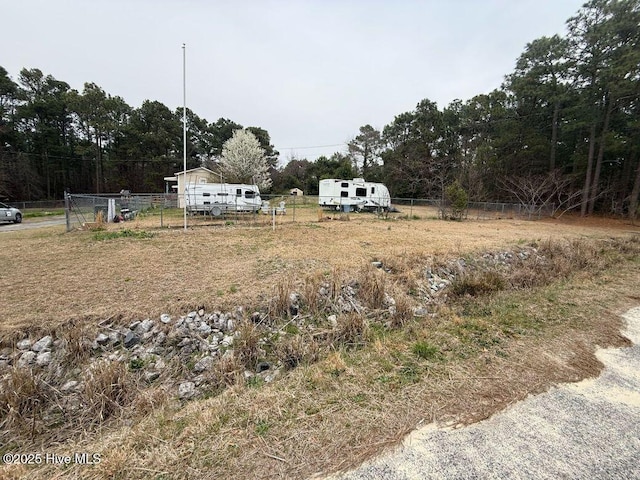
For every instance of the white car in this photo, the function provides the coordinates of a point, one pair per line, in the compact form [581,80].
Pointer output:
[9,214]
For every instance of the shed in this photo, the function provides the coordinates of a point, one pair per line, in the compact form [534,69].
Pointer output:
[296,192]
[194,176]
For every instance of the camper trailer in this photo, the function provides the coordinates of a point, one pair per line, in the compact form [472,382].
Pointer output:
[353,195]
[219,198]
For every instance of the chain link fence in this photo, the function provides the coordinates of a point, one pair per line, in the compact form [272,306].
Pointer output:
[165,210]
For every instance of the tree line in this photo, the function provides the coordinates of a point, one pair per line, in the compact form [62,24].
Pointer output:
[563,128]
[54,138]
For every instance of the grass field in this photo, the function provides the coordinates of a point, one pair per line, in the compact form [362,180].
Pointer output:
[476,355]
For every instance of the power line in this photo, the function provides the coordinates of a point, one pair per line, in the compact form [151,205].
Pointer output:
[316,146]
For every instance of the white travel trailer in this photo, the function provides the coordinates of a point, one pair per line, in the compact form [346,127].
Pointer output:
[356,194]
[219,198]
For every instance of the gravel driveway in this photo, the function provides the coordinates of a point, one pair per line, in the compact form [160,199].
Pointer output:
[586,430]
[33,223]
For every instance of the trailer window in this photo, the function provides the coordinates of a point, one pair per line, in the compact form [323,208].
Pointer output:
[223,194]
[207,203]
[345,185]
[249,194]
[373,190]
[344,194]
[239,192]
[361,192]
[206,194]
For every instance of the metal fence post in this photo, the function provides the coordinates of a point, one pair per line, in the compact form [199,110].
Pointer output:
[67,214]
[411,210]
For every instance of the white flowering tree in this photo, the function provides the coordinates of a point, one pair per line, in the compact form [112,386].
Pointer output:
[244,160]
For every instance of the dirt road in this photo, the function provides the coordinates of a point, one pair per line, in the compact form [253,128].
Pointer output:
[589,429]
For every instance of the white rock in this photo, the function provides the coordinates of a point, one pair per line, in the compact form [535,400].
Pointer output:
[24,344]
[145,326]
[102,339]
[203,364]
[186,390]
[333,320]
[26,358]
[43,359]
[165,318]
[70,385]
[227,341]
[44,343]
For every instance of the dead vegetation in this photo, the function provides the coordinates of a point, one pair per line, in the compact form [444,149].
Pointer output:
[377,373]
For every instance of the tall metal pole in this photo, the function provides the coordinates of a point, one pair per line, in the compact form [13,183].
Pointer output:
[184,131]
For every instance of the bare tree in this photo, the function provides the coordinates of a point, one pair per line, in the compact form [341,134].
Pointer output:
[552,191]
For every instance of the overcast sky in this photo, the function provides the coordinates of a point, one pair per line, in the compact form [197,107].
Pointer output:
[310,72]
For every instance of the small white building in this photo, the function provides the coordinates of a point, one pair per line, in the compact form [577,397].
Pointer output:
[194,176]
[296,192]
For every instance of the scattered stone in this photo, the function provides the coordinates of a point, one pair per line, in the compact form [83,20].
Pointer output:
[134,325]
[377,264]
[102,339]
[204,328]
[130,339]
[68,386]
[45,343]
[151,376]
[271,375]
[43,359]
[27,358]
[256,317]
[145,326]
[227,341]
[24,344]
[333,320]
[165,318]
[205,363]
[186,390]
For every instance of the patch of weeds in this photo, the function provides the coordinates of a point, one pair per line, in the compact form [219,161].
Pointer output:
[359,398]
[233,288]
[377,330]
[255,381]
[126,233]
[136,364]
[410,372]
[262,427]
[425,350]
[291,329]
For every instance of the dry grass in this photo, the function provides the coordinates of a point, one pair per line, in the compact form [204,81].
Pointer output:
[175,271]
[335,408]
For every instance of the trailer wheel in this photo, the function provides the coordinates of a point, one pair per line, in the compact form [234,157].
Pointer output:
[216,211]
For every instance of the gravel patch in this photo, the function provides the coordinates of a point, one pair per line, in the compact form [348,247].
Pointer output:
[589,429]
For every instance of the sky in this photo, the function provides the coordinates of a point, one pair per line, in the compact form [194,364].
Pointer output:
[310,72]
